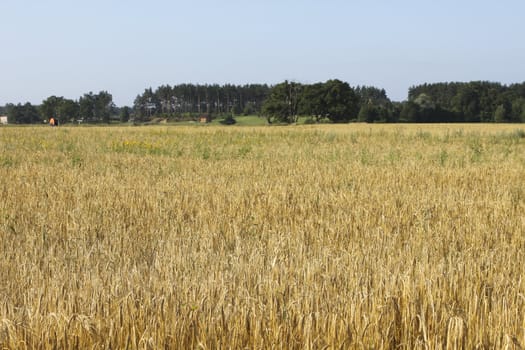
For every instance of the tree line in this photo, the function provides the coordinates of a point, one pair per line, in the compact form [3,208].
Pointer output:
[187,101]
[335,101]
[478,101]
[88,108]
[331,101]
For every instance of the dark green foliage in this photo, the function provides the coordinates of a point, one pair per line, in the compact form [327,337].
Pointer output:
[409,112]
[103,106]
[501,114]
[368,113]
[517,113]
[147,105]
[59,107]
[68,110]
[372,95]
[124,114]
[179,101]
[23,114]
[282,104]
[477,101]
[87,107]
[249,109]
[333,100]
[375,106]
[341,102]
[96,108]
[312,102]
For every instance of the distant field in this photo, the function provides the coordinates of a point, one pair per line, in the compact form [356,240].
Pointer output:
[296,237]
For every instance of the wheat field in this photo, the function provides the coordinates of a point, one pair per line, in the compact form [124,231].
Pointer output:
[300,237]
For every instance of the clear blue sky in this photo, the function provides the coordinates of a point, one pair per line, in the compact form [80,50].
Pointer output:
[68,48]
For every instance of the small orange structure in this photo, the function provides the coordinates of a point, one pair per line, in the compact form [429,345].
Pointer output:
[205,118]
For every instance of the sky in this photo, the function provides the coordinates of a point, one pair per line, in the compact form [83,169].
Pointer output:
[69,48]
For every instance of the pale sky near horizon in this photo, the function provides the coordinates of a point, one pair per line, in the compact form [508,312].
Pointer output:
[68,48]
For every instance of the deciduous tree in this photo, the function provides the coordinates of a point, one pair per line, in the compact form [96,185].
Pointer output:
[282,103]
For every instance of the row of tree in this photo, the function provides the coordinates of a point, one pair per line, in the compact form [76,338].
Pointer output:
[335,101]
[332,101]
[187,101]
[89,108]
[22,113]
[478,101]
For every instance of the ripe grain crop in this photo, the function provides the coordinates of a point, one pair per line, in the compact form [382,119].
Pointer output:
[301,237]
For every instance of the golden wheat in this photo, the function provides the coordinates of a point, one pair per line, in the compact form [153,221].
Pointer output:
[307,237]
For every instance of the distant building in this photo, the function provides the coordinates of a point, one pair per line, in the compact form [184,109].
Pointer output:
[3,119]
[205,118]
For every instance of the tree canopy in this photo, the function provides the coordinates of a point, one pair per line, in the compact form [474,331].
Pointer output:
[188,101]
[59,107]
[477,101]
[282,104]
[22,113]
[331,101]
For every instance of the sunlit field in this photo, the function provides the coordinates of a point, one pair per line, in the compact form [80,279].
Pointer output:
[299,237]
